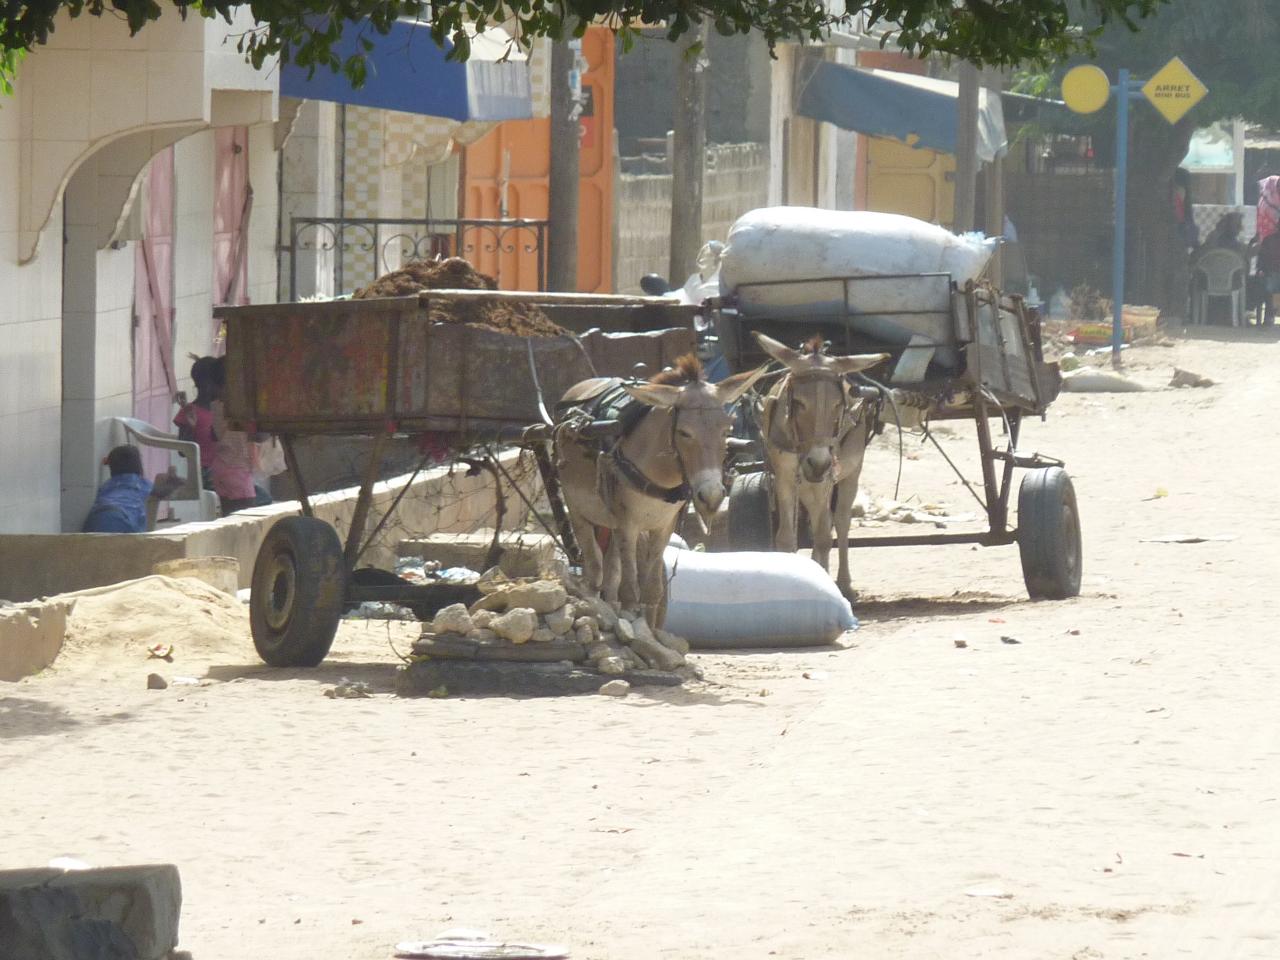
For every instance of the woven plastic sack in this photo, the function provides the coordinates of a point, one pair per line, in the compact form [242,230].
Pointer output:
[745,600]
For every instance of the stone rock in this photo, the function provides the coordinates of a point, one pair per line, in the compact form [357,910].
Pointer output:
[633,659]
[516,625]
[688,671]
[492,581]
[541,596]
[643,631]
[655,654]
[588,622]
[607,616]
[616,688]
[113,913]
[626,631]
[156,682]
[598,651]
[453,619]
[482,635]
[560,621]
[585,635]
[542,635]
[672,642]
[612,666]
[481,619]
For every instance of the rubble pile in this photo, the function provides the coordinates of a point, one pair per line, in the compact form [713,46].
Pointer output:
[544,621]
[455,273]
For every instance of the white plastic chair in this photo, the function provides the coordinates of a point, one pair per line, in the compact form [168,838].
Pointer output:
[143,434]
[1218,273]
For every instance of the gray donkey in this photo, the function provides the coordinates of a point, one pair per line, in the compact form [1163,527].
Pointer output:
[815,430]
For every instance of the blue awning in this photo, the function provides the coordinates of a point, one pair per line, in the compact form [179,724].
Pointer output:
[879,103]
[408,72]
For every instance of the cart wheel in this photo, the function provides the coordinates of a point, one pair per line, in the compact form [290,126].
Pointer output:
[299,580]
[750,513]
[1049,534]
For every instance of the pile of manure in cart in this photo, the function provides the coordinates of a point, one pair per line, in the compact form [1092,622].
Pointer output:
[504,316]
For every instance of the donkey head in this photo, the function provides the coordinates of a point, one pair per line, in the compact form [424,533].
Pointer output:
[699,425]
[815,399]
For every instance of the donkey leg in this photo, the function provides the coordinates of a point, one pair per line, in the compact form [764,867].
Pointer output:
[624,540]
[846,492]
[653,579]
[784,498]
[612,572]
[592,559]
[816,498]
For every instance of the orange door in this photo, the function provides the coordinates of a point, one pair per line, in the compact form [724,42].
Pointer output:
[517,156]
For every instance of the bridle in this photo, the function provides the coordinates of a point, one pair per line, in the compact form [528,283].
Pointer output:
[844,422]
[638,481]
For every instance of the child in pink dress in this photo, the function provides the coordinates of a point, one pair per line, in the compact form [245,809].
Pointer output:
[233,454]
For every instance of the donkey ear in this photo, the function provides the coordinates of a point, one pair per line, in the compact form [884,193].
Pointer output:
[857,362]
[654,394]
[779,351]
[731,389]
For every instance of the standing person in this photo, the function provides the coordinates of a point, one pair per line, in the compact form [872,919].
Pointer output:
[233,456]
[1268,207]
[194,420]
[1269,268]
[1183,209]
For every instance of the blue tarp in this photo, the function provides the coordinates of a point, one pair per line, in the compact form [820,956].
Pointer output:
[916,110]
[407,71]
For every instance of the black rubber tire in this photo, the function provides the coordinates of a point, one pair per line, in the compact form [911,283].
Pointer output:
[299,580]
[750,524]
[1049,535]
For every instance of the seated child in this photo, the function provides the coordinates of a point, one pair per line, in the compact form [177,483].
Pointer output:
[121,504]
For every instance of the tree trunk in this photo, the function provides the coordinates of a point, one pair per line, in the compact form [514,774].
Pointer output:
[1156,257]
[688,158]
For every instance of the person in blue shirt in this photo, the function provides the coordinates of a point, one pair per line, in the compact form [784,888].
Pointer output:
[121,504]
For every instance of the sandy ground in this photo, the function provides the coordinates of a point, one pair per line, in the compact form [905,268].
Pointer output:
[1111,783]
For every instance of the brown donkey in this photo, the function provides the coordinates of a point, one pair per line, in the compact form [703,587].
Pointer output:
[815,430]
[671,451]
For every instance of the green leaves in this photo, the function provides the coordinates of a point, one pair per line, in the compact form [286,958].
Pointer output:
[996,32]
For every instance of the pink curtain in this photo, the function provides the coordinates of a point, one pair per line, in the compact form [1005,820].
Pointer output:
[154,380]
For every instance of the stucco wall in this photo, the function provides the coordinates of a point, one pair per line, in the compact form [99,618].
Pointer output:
[30,365]
[737,180]
[440,501]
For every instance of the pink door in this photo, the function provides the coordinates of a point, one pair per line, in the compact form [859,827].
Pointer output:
[154,382]
[232,202]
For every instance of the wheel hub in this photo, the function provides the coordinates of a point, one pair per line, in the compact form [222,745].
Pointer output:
[282,588]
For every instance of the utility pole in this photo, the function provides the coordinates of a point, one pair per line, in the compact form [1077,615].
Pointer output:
[562,232]
[966,149]
[994,218]
[688,156]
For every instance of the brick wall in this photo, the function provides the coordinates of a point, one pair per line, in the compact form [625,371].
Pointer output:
[736,180]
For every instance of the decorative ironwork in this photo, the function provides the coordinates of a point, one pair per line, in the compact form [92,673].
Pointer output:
[358,250]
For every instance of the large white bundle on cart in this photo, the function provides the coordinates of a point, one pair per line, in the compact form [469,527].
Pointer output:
[805,243]
[744,600]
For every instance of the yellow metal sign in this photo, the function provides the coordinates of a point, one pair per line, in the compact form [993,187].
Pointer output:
[1086,89]
[1174,90]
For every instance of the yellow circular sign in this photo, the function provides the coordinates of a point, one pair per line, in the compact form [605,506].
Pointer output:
[1086,89]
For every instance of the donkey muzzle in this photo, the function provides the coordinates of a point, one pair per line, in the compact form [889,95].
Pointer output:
[708,494]
[816,464]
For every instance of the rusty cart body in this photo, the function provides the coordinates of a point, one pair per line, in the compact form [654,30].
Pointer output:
[957,353]
[381,368]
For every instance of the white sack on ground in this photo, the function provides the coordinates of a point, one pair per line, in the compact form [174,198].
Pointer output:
[744,600]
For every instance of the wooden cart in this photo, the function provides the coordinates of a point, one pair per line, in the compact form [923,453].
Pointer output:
[967,353]
[381,368]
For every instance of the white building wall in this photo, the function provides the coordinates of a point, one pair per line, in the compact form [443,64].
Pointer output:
[264,170]
[193,327]
[30,359]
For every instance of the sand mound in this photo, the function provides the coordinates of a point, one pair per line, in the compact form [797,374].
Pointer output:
[128,619]
[504,316]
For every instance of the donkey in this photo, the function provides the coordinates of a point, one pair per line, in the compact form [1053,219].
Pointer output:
[671,451]
[815,431]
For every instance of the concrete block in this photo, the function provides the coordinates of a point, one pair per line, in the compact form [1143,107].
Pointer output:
[522,554]
[112,913]
[31,636]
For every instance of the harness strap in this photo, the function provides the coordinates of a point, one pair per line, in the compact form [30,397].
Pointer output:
[633,475]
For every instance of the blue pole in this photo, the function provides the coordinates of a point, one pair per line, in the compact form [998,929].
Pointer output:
[1117,251]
